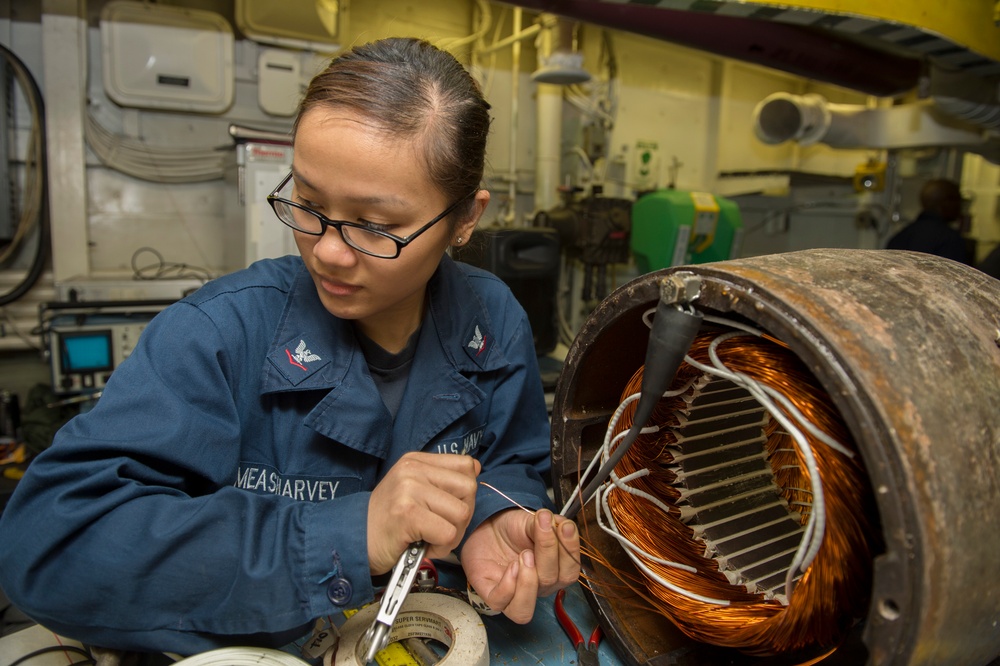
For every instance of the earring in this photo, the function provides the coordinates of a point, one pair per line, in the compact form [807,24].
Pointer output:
[458,240]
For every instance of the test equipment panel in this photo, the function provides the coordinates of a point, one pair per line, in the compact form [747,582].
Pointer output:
[86,342]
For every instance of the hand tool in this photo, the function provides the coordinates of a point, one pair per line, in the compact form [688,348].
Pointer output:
[403,574]
[586,653]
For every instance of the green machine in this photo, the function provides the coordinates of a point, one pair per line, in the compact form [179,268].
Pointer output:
[676,227]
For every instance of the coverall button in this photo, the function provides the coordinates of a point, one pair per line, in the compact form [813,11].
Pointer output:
[339,591]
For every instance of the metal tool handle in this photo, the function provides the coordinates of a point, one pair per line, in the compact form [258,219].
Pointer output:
[403,575]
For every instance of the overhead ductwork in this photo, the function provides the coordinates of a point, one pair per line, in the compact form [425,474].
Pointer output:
[972,99]
[810,119]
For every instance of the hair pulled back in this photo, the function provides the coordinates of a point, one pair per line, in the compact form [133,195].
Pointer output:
[412,89]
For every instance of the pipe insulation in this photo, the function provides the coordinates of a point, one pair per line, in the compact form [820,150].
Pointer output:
[548,148]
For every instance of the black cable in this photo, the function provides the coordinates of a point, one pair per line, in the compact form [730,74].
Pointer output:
[56,648]
[42,251]
[162,269]
[674,329]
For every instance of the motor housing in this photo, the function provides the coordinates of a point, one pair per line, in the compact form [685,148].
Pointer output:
[906,346]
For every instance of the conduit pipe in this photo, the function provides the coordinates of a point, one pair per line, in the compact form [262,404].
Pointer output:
[517,36]
[548,109]
[515,91]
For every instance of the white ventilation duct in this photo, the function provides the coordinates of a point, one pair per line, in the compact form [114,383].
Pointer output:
[808,119]
[811,119]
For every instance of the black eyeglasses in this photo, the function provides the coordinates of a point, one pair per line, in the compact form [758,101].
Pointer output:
[360,236]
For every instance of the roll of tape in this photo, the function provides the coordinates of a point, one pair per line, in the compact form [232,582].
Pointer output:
[242,656]
[445,619]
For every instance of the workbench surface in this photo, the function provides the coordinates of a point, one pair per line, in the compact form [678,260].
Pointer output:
[542,641]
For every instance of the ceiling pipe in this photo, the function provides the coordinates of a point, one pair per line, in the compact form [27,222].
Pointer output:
[518,36]
[798,50]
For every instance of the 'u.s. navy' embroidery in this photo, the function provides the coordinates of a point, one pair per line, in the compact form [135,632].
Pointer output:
[466,444]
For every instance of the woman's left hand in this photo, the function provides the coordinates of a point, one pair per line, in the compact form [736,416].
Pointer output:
[515,557]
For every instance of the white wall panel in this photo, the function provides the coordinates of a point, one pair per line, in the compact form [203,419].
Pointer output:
[185,223]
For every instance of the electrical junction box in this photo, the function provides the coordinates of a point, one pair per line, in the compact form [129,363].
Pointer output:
[259,167]
[161,57]
[279,81]
[647,166]
[312,25]
[676,227]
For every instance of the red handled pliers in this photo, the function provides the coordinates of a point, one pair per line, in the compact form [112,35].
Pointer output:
[586,653]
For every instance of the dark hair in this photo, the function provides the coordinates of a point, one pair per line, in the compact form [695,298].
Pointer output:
[410,88]
[942,196]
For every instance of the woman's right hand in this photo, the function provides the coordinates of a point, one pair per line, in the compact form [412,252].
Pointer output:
[424,496]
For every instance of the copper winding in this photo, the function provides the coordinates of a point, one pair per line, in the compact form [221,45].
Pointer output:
[833,591]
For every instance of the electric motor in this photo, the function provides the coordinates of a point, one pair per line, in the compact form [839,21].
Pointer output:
[902,351]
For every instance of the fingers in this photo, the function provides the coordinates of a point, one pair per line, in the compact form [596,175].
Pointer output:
[546,548]
[516,593]
[428,513]
[511,582]
[522,603]
[429,497]
[557,551]
[454,474]
[569,553]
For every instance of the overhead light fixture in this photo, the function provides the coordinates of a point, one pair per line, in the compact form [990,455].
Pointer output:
[563,65]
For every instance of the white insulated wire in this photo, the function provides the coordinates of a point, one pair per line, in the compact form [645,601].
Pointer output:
[787,416]
[634,553]
[604,452]
[812,538]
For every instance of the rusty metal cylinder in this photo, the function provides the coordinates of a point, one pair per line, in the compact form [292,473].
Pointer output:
[907,346]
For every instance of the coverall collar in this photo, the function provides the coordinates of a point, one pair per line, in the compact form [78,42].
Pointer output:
[313,350]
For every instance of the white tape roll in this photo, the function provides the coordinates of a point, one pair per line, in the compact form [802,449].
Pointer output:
[242,656]
[445,619]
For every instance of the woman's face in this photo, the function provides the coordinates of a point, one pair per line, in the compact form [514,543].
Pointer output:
[349,170]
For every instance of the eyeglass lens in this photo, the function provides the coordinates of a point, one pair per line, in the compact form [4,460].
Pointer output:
[310,223]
